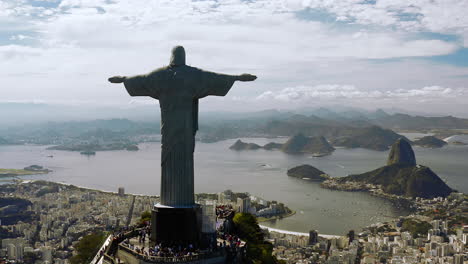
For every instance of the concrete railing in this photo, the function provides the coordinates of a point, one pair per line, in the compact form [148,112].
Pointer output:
[163,260]
[104,245]
[109,259]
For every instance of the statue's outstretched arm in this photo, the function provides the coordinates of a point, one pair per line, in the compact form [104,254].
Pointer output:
[117,79]
[245,77]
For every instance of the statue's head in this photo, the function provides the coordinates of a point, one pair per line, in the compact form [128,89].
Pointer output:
[178,56]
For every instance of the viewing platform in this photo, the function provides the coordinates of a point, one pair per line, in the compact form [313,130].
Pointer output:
[133,248]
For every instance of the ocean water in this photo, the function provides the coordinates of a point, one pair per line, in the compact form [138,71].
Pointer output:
[259,172]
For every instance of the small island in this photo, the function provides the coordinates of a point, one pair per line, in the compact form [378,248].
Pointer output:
[88,153]
[240,145]
[88,148]
[273,146]
[298,144]
[429,142]
[30,170]
[307,172]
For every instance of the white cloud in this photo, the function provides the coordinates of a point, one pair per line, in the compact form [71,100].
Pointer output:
[440,16]
[339,91]
[82,42]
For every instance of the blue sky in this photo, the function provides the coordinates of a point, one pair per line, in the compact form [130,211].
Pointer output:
[410,54]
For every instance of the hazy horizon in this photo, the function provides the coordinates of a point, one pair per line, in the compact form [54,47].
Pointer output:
[14,113]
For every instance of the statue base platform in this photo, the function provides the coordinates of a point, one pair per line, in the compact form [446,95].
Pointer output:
[175,225]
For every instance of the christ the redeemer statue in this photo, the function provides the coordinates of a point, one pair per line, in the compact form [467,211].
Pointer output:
[178,88]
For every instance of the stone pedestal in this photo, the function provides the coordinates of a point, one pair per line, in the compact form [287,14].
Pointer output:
[171,225]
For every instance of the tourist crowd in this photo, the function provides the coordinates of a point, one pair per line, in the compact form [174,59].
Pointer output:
[160,250]
[224,211]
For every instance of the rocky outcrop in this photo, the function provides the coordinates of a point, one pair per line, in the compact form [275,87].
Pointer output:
[240,145]
[402,154]
[295,145]
[430,142]
[402,176]
[302,144]
[307,172]
[372,137]
[272,146]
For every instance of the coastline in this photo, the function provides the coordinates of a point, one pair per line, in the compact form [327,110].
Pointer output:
[271,229]
[332,184]
[12,173]
[261,219]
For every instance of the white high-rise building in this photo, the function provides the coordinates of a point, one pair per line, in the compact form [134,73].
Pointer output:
[208,216]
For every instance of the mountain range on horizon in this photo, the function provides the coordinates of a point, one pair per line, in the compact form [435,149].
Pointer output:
[15,113]
[346,127]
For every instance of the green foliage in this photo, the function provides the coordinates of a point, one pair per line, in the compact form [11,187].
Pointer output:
[415,227]
[307,171]
[261,253]
[49,189]
[88,247]
[258,250]
[145,216]
[247,228]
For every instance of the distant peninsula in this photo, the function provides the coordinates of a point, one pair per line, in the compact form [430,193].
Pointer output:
[302,144]
[91,147]
[307,172]
[30,170]
[401,176]
[373,137]
[430,142]
[298,144]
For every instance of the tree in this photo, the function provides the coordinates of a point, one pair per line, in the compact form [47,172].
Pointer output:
[145,217]
[88,247]
[258,250]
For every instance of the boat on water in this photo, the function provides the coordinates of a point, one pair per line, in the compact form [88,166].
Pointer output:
[50,156]
[317,155]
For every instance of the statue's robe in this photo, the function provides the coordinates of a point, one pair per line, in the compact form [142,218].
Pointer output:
[178,90]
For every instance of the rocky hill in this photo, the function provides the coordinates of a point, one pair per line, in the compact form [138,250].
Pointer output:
[430,142]
[307,172]
[295,145]
[401,154]
[272,146]
[402,176]
[405,121]
[240,145]
[302,144]
[373,137]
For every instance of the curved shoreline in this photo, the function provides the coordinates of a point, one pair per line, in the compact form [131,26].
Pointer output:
[271,229]
[376,191]
[277,217]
